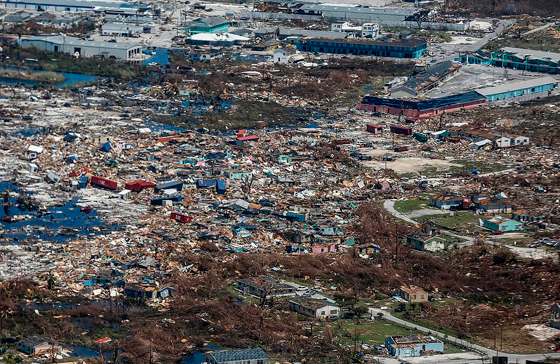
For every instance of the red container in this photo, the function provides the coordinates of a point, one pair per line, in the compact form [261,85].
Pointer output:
[138,185]
[401,149]
[104,182]
[342,141]
[374,129]
[181,217]
[403,130]
[248,138]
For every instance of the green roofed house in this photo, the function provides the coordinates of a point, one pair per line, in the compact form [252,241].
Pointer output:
[208,25]
[243,356]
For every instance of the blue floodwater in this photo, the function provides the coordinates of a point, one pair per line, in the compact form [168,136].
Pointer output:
[54,224]
[71,80]
[161,57]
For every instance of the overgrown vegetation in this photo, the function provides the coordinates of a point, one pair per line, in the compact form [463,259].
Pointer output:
[60,62]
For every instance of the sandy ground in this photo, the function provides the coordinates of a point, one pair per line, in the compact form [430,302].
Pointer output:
[463,40]
[542,332]
[405,164]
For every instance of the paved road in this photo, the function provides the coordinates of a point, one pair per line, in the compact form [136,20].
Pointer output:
[538,29]
[389,205]
[513,358]
[501,28]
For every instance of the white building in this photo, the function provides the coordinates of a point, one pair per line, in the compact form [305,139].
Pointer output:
[370,30]
[83,48]
[312,307]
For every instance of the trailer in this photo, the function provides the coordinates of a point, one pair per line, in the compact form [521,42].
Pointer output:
[181,217]
[104,183]
[169,185]
[402,130]
[138,185]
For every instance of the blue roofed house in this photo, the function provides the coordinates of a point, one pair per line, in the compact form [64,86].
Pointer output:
[243,356]
[500,224]
[412,345]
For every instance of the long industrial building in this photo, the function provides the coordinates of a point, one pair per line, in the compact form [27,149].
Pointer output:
[406,48]
[517,58]
[84,48]
[516,89]
[65,5]
[422,109]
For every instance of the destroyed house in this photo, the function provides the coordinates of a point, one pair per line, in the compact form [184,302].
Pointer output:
[138,185]
[243,356]
[405,48]
[265,286]
[526,216]
[35,345]
[413,294]
[446,202]
[554,320]
[314,307]
[422,109]
[412,345]
[494,205]
[140,291]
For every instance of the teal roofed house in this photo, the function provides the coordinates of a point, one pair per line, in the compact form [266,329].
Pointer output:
[505,225]
[208,25]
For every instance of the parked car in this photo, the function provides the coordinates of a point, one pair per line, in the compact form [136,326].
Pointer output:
[497,232]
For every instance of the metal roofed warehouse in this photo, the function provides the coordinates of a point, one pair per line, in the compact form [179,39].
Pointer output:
[65,5]
[515,89]
[407,48]
[85,48]
[243,356]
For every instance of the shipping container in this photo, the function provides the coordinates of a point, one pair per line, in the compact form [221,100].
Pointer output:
[103,182]
[220,187]
[420,137]
[248,138]
[169,185]
[342,141]
[374,129]
[181,217]
[138,185]
[403,130]
[202,183]
[161,200]
[401,149]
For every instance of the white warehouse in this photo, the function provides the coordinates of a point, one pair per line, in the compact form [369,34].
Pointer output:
[85,48]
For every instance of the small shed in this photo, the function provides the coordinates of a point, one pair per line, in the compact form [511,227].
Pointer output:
[124,194]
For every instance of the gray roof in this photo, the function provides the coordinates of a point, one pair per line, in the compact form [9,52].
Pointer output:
[431,74]
[513,86]
[65,40]
[223,356]
[520,52]
[84,3]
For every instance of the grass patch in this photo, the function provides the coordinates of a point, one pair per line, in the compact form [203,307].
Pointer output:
[411,205]
[483,167]
[459,220]
[367,332]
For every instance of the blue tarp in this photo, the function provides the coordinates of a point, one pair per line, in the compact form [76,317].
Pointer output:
[105,147]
